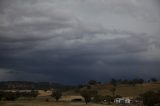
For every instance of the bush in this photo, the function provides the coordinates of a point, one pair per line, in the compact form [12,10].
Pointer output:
[11,96]
[98,98]
[47,100]
[57,94]
[109,99]
[151,98]
[8,96]
[1,96]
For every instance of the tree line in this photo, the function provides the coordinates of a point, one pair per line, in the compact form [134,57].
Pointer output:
[11,96]
[28,85]
[131,81]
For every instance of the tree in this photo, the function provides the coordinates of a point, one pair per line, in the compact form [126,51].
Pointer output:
[10,96]
[1,95]
[154,80]
[92,82]
[57,94]
[150,98]
[113,89]
[87,94]
[113,82]
[34,93]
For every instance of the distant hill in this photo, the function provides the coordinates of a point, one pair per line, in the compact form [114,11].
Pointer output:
[128,90]
[21,85]
[123,90]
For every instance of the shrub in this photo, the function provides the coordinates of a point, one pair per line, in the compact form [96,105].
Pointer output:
[151,98]
[57,94]
[98,98]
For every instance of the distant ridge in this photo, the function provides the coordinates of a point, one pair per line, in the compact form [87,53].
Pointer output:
[29,85]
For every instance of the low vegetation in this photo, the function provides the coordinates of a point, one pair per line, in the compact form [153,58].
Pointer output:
[11,96]
[57,94]
[88,94]
[151,98]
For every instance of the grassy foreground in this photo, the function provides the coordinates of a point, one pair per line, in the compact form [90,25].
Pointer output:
[36,103]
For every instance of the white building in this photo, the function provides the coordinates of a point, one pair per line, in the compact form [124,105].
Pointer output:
[127,101]
[122,101]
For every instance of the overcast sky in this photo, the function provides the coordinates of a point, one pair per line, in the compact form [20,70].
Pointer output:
[72,41]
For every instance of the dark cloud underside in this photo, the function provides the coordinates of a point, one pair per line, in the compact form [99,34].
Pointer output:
[74,41]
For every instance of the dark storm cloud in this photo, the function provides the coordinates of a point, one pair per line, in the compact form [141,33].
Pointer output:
[59,41]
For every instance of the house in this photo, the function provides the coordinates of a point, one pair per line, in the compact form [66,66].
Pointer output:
[122,100]
[119,101]
[127,101]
